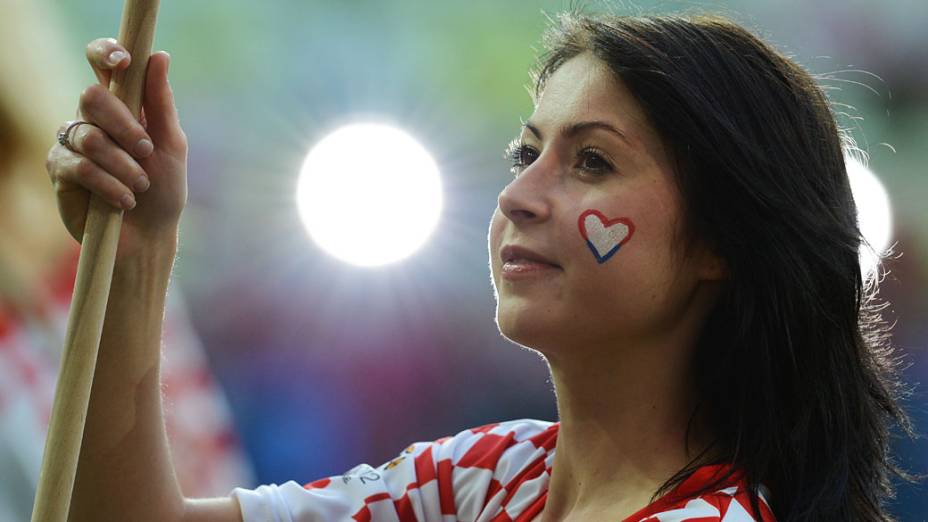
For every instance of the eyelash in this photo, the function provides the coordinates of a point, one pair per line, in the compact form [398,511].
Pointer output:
[516,152]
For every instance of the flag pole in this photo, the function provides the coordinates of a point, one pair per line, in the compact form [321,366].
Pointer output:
[91,292]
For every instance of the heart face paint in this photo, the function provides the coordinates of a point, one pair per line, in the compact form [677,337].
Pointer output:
[604,236]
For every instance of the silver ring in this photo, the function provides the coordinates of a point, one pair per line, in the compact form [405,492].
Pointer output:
[64,136]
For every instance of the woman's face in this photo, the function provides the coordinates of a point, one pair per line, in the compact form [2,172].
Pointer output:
[589,156]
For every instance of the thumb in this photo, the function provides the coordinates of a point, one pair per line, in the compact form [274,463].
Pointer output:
[160,111]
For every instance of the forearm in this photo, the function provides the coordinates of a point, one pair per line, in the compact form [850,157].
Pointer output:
[125,470]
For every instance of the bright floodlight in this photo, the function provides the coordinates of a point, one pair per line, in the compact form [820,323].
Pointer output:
[369,194]
[874,214]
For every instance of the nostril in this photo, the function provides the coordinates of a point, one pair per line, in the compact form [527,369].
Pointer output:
[522,215]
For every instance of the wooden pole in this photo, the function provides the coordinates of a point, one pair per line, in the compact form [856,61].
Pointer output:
[91,292]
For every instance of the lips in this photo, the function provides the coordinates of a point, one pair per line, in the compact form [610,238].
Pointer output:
[517,254]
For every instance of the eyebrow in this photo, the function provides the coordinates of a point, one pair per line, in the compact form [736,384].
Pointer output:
[575,128]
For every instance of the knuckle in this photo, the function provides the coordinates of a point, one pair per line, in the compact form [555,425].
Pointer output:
[99,46]
[85,169]
[92,96]
[180,142]
[91,141]
[52,166]
[50,159]
[59,188]
[131,133]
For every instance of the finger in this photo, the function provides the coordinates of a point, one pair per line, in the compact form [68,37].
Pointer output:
[96,145]
[163,124]
[106,55]
[69,168]
[102,108]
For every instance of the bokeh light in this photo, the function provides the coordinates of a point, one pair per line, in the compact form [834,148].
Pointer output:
[369,194]
[874,214]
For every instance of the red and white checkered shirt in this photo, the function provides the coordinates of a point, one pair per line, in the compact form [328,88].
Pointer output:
[495,473]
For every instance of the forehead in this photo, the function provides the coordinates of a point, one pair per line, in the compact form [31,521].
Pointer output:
[584,89]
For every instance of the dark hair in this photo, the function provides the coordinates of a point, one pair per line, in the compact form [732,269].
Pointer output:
[796,376]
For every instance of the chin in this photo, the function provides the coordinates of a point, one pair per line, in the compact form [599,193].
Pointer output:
[528,329]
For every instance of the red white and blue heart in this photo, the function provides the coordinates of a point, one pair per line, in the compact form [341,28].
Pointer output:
[604,236]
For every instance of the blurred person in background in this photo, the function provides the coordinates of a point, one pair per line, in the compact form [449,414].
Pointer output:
[37,267]
[727,363]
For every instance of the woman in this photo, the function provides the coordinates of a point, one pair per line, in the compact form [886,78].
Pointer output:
[679,242]
[37,263]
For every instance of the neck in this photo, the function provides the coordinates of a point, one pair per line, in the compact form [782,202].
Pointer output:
[625,425]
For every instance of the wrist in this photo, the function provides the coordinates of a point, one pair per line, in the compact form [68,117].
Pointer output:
[151,262]
[139,244]
[160,241]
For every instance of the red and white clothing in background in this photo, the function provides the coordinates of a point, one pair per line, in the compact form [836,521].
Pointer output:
[496,473]
[205,448]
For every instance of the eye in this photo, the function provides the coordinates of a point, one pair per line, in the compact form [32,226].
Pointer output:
[592,160]
[521,156]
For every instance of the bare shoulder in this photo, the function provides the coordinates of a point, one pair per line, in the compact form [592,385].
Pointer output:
[224,509]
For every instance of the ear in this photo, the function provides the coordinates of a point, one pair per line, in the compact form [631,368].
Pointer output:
[711,266]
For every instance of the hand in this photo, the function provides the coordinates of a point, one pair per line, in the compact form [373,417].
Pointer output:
[139,166]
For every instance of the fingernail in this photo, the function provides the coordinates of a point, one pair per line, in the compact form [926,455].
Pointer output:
[115,57]
[128,202]
[143,148]
[141,185]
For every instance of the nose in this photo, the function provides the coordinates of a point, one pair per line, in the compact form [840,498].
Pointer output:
[526,198]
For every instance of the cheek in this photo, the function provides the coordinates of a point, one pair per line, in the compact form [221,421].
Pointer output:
[624,271]
[627,229]
[603,235]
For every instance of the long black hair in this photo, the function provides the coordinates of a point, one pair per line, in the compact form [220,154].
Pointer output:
[796,375]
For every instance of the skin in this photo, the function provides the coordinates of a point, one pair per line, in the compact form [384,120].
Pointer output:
[124,470]
[617,335]
[117,159]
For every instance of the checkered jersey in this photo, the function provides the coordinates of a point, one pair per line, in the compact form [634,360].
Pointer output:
[494,473]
